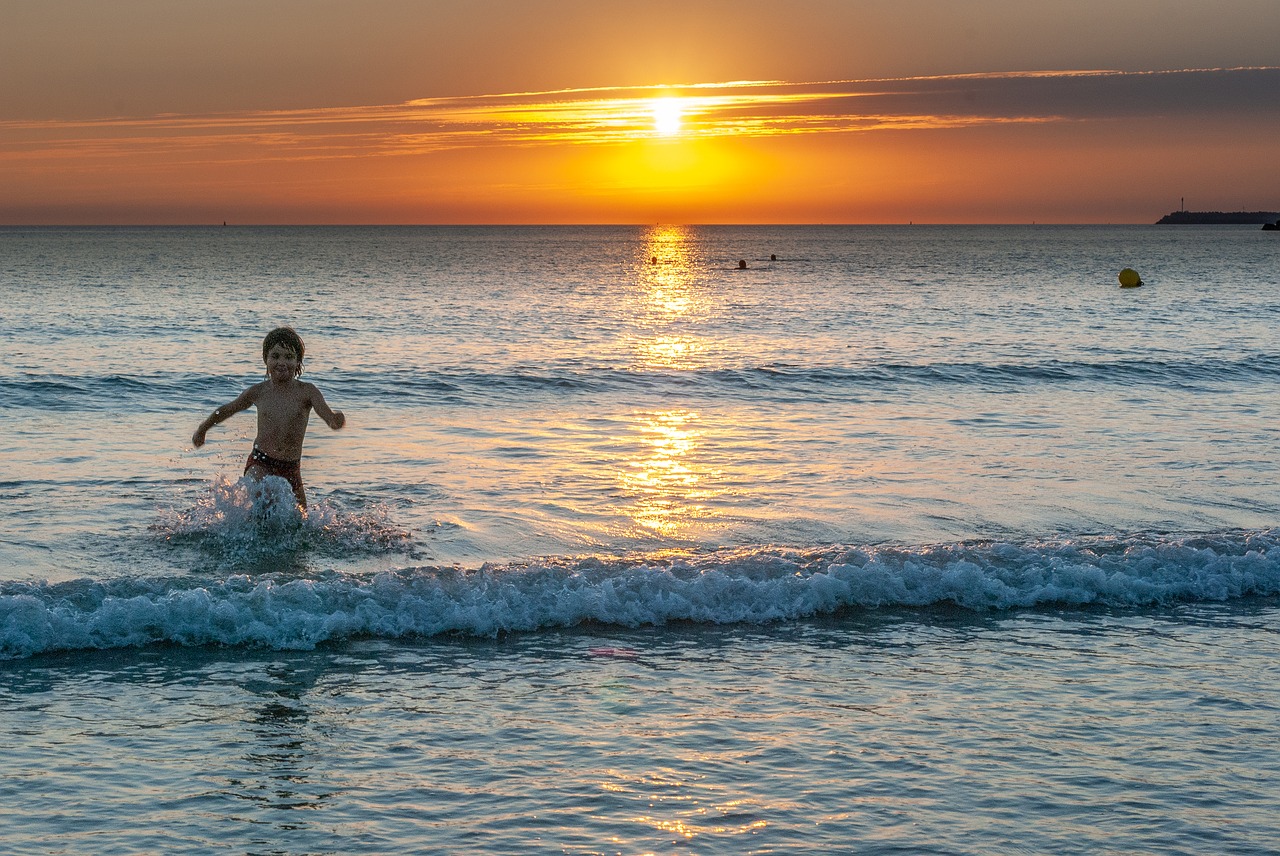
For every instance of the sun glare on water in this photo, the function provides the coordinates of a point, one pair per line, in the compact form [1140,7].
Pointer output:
[666,116]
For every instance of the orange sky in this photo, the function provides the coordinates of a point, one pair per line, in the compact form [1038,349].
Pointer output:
[559,111]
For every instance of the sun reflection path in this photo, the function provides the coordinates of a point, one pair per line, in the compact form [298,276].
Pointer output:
[668,291]
[667,488]
[666,483]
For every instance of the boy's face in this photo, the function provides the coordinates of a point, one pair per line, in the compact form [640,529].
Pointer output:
[282,363]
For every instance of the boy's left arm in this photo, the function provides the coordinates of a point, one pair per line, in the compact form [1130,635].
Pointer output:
[335,419]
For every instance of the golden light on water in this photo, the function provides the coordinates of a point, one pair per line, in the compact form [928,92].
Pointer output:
[671,351]
[683,805]
[668,297]
[668,482]
[668,279]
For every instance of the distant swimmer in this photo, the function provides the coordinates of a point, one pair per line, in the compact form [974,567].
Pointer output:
[742,264]
[284,403]
[773,257]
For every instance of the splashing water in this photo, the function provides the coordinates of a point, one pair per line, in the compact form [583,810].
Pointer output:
[244,520]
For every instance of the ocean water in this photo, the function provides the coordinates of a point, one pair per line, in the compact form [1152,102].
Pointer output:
[897,540]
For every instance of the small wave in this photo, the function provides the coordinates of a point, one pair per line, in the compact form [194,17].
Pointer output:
[79,393]
[1175,373]
[825,382]
[169,391]
[756,586]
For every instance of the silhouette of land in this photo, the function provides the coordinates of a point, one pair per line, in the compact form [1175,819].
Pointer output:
[1218,218]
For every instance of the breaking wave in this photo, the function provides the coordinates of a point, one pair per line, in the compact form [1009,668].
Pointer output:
[757,585]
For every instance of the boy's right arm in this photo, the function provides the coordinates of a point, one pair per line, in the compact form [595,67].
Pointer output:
[242,402]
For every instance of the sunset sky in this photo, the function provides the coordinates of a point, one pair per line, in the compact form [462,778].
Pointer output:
[592,111]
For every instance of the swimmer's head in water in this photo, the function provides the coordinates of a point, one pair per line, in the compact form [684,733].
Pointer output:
[286,337]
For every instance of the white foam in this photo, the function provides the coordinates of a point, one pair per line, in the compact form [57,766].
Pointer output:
[758,585]
[246,518]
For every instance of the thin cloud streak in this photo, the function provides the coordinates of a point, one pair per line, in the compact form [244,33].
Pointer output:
[622,115]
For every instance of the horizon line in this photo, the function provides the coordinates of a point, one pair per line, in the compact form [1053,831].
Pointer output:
[581,225]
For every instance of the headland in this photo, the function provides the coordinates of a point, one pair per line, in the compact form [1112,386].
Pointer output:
[1218,218]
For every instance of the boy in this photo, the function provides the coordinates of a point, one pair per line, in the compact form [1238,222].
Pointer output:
[283,403]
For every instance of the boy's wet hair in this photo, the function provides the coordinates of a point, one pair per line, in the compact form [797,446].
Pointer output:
[286,336]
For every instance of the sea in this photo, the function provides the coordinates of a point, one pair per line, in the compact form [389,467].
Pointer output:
[644,540]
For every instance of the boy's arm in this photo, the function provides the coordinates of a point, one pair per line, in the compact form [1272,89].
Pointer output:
[243,401]
[335,419]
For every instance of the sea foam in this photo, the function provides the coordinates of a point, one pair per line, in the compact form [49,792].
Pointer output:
[749,585]
[246,520]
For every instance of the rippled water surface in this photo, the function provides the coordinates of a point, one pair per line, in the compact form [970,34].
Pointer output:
[885,733]
[897,540]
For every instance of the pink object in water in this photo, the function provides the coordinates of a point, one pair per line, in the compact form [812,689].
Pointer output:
[622,653]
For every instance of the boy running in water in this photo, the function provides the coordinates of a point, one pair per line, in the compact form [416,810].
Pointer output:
[284,403]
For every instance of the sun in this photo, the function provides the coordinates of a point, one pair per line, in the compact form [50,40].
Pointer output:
[667,114]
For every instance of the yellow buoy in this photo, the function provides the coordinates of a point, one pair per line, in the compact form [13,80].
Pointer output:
[1129,278]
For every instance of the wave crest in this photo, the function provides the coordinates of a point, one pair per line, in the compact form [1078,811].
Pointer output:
[755,585]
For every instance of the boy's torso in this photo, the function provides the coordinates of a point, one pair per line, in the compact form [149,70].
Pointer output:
[283,411]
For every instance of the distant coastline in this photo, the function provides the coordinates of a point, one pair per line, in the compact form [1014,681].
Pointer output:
[1218,218]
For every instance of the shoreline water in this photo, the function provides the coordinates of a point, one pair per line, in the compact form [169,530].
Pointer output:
[935,732]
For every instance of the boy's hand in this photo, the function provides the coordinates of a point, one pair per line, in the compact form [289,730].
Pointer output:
[197,439]
[339,419]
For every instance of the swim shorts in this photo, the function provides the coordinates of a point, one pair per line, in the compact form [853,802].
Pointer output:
[290,471]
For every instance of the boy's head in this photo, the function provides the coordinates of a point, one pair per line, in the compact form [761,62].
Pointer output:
[287,337]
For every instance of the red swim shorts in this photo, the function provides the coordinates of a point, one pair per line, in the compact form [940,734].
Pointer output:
[290,471]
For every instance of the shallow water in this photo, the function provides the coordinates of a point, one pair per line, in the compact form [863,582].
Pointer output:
[926,540]
[883,732]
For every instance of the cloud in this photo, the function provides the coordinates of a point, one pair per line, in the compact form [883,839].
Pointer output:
[608,116]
